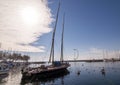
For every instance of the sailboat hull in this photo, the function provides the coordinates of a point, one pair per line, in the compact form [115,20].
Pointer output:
[4,72]
[50,78]
[46,73]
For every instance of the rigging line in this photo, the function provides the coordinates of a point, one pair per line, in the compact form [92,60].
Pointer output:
[57,47]
[47,51]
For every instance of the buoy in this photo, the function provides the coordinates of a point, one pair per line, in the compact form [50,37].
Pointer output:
[103,71]
[78,72]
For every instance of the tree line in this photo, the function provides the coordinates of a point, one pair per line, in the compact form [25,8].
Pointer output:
[13,56]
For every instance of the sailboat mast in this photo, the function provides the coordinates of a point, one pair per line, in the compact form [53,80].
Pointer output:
[62,39]
[0,45]
[51,59]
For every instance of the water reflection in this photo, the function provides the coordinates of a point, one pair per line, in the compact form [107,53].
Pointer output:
[81,73]
[38,81]
[14,77]
[2,78]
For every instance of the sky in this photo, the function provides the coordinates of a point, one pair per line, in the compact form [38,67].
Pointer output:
[91,26]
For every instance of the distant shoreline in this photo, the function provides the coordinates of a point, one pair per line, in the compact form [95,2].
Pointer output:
[100,60]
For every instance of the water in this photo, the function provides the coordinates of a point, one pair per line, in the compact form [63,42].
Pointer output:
[90,74]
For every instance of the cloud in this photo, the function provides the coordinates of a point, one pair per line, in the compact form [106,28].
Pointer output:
[22,22]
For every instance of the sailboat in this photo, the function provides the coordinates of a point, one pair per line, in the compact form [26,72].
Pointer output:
[56,67]
[4,68]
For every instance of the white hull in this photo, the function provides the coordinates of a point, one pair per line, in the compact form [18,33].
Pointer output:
[4,72]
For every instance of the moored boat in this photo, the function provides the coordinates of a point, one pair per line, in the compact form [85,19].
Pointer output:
[38,78]
[4,69]
[56,67]
[46,71]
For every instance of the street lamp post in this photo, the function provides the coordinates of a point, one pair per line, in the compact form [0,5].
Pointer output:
[76,50]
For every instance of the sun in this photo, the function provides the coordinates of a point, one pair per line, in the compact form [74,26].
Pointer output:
[29,15]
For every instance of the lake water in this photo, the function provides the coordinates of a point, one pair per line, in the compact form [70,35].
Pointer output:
[90,74]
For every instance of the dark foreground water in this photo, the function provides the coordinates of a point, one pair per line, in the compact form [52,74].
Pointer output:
[90,74]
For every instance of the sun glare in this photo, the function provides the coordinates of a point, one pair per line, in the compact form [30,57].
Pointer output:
[30,15]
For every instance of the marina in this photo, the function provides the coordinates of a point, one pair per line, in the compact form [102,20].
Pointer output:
[90,74]
[59,42]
